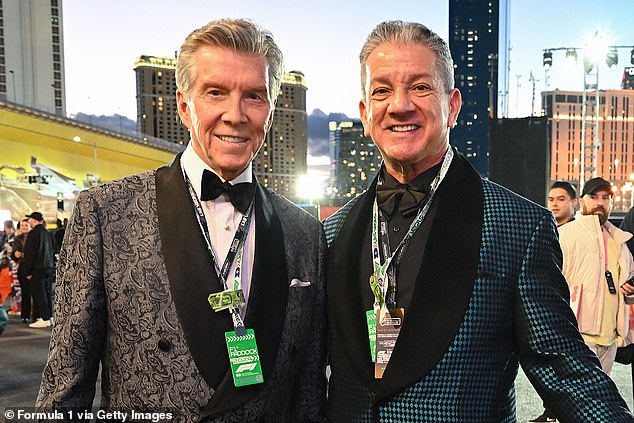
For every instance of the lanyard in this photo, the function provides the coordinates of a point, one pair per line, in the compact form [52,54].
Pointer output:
[381,270]
[608,275]
[605,247]
[237,248]
[390,295]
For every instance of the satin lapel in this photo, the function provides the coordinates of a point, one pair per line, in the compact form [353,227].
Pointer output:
[445,280]
[349,295]
[270,283]
[191,274]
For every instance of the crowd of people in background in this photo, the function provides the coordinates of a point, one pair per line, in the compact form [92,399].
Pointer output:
[28,253]
[598,267]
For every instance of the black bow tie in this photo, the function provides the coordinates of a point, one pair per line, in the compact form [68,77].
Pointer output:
[240,195]
[403,197]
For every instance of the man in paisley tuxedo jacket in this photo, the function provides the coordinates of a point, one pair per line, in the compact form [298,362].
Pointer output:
[478,282]
[136,269]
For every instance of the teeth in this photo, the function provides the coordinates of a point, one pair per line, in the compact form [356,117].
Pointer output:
[404,128]
[228,138]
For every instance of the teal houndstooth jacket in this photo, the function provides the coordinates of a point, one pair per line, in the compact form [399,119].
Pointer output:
[488,294]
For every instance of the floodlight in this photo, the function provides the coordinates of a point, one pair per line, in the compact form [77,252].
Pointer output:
[571,54]
[548,59]
[612,57]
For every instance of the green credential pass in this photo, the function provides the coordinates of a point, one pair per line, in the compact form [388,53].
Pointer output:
[244,358]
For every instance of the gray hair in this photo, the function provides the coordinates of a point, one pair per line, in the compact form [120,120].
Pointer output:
[400,32]
[240,35]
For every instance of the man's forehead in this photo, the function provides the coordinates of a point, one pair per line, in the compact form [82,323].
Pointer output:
[558,192]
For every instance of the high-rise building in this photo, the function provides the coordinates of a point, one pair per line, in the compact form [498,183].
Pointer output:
[157,110]
[282,158]
[354,161]
[32,54]
[519,156]
[473,41]
[615,131]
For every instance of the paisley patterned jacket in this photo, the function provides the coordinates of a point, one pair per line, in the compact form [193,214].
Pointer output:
[131,296]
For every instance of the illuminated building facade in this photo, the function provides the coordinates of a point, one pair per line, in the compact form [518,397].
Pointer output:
[615,157]
[473,41]
[157,111]
[354,161]
[32,54]
[282,158]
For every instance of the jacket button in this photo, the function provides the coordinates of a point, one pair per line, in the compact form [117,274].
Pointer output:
[164,345]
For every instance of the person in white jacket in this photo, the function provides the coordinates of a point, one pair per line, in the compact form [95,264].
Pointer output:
[597,265]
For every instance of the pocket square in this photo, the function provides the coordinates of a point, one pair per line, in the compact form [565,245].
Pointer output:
[296,283]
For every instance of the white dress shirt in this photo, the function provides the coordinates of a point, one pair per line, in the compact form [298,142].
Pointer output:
[223,220]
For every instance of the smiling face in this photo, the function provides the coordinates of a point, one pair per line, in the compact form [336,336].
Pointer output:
[228,109]
[405,110]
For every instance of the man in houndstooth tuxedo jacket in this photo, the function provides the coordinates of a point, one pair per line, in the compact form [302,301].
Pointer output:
[478,282]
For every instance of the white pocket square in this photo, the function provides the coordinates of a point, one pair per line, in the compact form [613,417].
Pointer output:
[299,284]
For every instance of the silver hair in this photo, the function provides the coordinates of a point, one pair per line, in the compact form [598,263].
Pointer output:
[241,35]
[400,32]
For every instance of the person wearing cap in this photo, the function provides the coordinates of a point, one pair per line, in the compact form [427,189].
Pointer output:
[37,266]
[597,265]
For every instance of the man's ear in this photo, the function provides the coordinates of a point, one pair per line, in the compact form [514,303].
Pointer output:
[455,104]
[183,108]
[365,120]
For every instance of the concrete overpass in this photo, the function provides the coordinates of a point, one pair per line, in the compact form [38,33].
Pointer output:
[44,156]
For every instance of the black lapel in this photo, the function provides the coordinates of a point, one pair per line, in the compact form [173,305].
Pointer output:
[191,275]
[349,295]
[266,309]
[269,286]
[445,281]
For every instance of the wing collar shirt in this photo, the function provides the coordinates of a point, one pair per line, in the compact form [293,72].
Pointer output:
[223,220]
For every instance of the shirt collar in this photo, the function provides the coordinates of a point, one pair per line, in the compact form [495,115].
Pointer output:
[194,166]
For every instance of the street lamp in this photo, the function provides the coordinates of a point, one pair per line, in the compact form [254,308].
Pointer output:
[593,52]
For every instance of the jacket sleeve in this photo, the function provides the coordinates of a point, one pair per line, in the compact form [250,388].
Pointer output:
[29,253]
[18,245]
[77,341]
[628,225]
[563,370]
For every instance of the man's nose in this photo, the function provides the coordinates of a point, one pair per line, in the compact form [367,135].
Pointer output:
[401,102]
[234,110]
